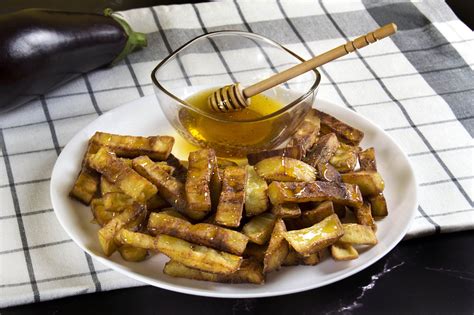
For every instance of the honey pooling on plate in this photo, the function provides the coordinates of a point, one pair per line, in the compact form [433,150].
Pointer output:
[230,130]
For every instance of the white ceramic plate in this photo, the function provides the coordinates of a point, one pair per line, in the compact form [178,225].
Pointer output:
[144,117]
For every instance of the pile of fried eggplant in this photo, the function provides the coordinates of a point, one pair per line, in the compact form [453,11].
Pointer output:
[220,221]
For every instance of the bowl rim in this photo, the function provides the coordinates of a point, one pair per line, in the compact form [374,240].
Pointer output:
[183,103]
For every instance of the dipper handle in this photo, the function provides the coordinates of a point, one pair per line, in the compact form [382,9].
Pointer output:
[320,60]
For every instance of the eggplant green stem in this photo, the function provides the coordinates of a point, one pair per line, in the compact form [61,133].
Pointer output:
[135,40]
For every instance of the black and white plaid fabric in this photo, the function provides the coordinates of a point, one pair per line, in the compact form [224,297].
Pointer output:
[417,85]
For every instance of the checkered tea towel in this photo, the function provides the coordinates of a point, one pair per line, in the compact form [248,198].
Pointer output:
[418,86]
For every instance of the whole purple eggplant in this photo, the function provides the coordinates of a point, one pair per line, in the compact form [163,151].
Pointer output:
[42,49]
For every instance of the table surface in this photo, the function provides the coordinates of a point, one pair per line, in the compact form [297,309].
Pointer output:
[430,275]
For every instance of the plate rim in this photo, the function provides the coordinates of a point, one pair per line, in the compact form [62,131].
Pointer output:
[216,294]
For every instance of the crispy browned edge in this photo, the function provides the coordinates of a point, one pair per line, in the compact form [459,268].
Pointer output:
[347,194]
[370,182]
[108,232]
[232,199]
[277,248]
[156,147]
[101,216]
[171,189]
[343,131]
[86,177]
[201,233]
[345,158]
[307,132]
[198,256]
[294,259]
[119,173]
[363,215]
[323,150]
[250,271]
[189,254]
[285,169]
[86,186]
[367,160]
[286,210]
[198,195]
[295,152]
[328,173]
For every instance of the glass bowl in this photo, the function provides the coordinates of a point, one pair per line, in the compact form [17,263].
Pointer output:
[220,58]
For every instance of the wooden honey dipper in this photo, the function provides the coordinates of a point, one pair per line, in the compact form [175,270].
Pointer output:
[231,98]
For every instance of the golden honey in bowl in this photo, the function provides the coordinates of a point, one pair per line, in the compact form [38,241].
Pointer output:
[229,133]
